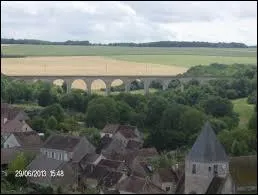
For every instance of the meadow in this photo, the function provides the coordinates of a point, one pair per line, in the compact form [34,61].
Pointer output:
[244,110]
[92,60]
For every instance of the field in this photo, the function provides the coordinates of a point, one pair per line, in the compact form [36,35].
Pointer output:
[244,110]
[50,59]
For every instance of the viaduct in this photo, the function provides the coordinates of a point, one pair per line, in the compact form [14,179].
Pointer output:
[164,80]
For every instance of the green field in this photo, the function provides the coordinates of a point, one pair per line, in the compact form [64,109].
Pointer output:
[185,57]
[244,110]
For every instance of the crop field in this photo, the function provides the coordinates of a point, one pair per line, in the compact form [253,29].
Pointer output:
[92,60]
[244,110]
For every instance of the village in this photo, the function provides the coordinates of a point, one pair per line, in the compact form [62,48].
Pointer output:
[120,164]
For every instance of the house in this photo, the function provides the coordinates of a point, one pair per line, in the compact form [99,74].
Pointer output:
[49,177]
[61,152]
[8,113]
[137,185]
[14,126]
[114,165]
[126,133]
[102,177]
[109,130]
[66,148]
[23,139]
[166,179]
[13,120]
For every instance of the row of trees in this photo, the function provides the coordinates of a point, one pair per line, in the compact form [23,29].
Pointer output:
[149,44]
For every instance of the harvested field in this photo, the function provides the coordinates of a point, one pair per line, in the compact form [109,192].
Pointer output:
[83,65]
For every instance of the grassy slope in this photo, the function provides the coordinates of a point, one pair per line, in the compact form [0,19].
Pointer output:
[168,56]
[244,110]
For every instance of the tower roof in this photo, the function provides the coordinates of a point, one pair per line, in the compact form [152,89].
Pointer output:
[207,148]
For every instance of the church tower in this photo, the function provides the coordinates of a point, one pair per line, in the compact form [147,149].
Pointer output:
[206,160]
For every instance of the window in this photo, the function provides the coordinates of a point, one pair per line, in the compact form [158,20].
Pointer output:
[209,169]
[194,169]
[167,189]
[52,154]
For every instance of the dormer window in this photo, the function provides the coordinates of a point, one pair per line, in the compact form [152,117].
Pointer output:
[194,169]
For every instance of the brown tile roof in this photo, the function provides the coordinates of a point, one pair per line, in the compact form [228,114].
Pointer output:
[127,131]
[62,142]
[134,184]
[114,164]
[243,170]
[133,144]
[12,126]
[167,175]
[111,179]
[110,128]
[30,138]
[104,176]
[9,154]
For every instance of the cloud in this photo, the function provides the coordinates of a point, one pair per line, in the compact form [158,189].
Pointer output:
[131,21]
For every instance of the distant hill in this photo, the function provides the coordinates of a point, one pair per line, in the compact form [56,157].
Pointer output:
[149,44]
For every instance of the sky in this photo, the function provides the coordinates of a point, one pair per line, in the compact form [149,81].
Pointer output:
[131,21]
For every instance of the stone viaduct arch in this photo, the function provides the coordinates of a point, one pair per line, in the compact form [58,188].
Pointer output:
[108,79]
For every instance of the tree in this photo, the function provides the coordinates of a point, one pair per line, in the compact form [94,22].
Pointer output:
[45,98]
[124,111]
[38,124]
[51,123]
[92,134]
[53,110]
[100,111]
[156,106]
[253,122]
[217,106]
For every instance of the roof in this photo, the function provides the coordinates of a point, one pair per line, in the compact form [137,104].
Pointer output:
[110,128]
[28,138]
[12,126]
[115,146]
[216,185]
[134,184]
[167,175]
[111,179]
[95,172]
[148,152]
[41,162]
[10,112]
[207,148]
[90,158]
[127,131]
[62,142]
[243,170]
[104,143]
[104,176]
[133,144]
[114,164]
[9,154]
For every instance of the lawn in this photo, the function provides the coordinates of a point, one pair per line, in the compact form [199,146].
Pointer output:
[244,110]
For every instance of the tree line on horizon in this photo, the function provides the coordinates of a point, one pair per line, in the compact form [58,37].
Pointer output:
[147,44]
